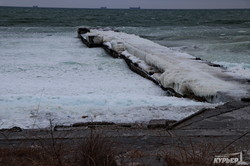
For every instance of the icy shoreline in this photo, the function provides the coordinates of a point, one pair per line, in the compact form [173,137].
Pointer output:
[30,112]
[70,83]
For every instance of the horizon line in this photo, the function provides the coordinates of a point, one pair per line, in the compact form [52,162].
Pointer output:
[128,8]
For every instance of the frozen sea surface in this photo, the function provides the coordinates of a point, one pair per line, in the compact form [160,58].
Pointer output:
[53,76]
[47,73]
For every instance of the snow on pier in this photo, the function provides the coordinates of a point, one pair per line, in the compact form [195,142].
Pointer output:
[179,72]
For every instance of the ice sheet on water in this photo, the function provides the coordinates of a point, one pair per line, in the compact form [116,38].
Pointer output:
[54,76]
[37,111]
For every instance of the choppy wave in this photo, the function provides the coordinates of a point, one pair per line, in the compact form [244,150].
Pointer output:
[114,18]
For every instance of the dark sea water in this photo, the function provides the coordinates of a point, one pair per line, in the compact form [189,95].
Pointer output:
[214,35]
[36,17]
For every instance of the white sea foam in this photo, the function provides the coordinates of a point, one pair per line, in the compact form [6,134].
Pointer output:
[180,71]
[54,76]
[36,111]
[241,70]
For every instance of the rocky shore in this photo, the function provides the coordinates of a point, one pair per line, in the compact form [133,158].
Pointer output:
[226,128]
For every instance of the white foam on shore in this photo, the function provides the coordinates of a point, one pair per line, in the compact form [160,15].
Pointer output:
[54,76]
[37,111]
[180,71]
[240,70]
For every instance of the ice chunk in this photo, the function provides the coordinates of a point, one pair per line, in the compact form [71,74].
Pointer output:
[118,46]
[108,44]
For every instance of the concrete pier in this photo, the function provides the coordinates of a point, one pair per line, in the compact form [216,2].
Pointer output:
[153,73]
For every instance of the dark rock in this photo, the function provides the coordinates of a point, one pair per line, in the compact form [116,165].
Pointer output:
[92,124]
[13,129]
[160,123]
[245,99]
[213,64]
[198,59]
[61,127]
[83,30]
[170,123]
[128,125]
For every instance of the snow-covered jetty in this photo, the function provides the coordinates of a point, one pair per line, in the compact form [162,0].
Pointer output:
[179,73]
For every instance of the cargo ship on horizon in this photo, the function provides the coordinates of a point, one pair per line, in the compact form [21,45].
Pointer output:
[135,7]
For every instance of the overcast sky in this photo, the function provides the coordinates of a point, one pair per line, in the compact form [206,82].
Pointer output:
[160,4]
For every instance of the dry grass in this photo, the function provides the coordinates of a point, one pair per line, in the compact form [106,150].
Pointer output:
[99,151]
[96,151]
[192,155]
[26,157]
[93,151]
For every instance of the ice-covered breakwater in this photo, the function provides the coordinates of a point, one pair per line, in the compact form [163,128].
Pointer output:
[180,73]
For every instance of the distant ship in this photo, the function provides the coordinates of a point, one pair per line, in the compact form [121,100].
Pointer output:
[35,6]
[103,7]
[135,7]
